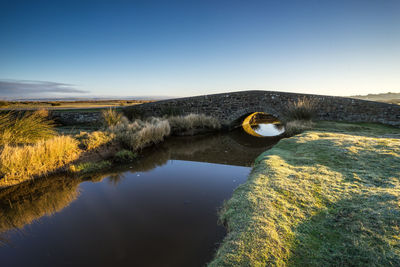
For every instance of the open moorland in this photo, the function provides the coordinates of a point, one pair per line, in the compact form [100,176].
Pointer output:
[391,98]
[61,104]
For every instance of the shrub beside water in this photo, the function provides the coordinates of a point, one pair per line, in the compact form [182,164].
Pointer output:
[27,151]
[297,127]
[19,163]
[193,121]
[95,139]
[298,116]
[124,156]
[90,167]
[139,134]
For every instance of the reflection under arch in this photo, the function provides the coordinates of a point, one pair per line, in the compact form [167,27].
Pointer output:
[251,121]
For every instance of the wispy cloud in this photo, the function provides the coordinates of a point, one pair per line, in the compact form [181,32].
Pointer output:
[24,88]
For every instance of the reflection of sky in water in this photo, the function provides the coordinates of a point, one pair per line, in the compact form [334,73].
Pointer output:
[269,129]
[164,202]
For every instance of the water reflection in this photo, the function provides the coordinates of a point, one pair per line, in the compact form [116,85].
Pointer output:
[260,124]
[159,211]
[268,129]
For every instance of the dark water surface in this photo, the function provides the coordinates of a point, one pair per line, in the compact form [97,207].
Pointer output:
[158,211]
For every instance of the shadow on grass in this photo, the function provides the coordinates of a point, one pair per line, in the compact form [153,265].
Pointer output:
[359,231]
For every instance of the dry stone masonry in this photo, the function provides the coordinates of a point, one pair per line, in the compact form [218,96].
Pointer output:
[229,107]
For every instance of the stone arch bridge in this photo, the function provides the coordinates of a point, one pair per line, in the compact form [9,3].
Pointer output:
[230,108]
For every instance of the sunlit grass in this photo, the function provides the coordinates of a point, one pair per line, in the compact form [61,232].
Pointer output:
[26,128]
[321,198]
[140,134]
[19,163]
[111,117]
[30,148]
[96,139]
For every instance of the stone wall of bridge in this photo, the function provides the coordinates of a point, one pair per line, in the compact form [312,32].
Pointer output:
[229,107]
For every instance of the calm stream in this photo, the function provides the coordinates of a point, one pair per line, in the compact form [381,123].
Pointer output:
[158,211]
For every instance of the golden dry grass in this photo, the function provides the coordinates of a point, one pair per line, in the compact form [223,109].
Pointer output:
[93,140]
[19,163]
[111,117]
[138,134]
[26,128]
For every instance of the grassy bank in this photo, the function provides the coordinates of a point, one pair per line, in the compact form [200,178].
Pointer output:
[327,197]
[20,163]
[30,147]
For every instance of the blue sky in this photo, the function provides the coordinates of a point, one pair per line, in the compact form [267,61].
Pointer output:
[182,48]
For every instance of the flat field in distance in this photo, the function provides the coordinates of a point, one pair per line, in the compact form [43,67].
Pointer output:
[63,104]
[391,98]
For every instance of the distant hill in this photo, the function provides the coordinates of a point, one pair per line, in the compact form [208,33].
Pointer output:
[393,98]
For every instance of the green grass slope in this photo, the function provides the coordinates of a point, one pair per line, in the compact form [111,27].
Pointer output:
[327,197]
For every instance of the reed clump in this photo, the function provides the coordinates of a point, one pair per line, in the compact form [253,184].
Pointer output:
[193,121]
[111,117]
[139,134]
[303,109]
[299,115]
[93,140]
[297,127]
[26,128]
[19,163]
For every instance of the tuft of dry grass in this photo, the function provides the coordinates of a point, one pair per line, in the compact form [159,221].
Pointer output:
[19,163]
[111,117]
[138,134]
[297,127]
[93,140]
[193,121]
[4,103]
[26,128]
[301,110]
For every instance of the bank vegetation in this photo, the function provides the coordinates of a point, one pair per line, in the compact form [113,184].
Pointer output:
[326,197]
[31,147]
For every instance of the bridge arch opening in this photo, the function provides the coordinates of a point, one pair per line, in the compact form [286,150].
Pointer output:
[261,124]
